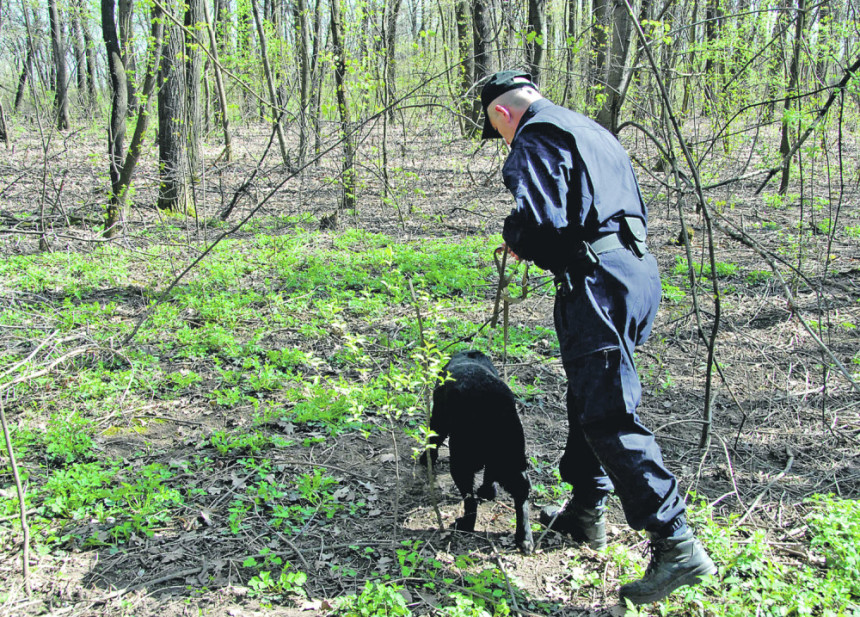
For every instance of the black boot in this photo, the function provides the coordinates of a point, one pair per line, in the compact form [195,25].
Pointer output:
[675,562]
[586,525]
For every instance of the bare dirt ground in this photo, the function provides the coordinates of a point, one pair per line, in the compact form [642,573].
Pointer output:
[782,430]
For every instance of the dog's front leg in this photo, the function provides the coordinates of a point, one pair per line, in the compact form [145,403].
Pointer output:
[470,515]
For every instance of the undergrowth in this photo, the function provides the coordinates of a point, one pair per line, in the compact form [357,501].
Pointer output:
[292,340]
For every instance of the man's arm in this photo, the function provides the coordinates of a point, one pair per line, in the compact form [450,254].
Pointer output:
[540,173]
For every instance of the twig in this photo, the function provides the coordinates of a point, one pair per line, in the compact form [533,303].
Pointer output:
[22,506]
[756,501]
[121,592]
[498,557]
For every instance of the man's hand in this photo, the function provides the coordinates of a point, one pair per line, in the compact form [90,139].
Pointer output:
[506,249]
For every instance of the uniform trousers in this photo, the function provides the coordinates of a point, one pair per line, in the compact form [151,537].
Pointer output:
[599,322]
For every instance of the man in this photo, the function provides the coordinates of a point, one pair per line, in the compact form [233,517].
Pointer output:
[579,214]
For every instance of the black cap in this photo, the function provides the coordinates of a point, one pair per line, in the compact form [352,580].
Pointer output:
[498,84]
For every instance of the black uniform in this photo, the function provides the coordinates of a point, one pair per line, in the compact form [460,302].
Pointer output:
[579,213]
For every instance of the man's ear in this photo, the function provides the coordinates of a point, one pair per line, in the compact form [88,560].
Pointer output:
[504,112]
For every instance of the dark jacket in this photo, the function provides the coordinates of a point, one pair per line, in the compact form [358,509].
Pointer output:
[571,179]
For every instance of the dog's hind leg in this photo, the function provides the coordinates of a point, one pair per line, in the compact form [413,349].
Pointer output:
[518,486]
[487,490]
[465,482]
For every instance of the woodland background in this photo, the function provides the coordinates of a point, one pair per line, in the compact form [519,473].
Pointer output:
[239,239]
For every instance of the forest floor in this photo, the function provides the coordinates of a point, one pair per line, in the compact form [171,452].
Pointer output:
[786,423]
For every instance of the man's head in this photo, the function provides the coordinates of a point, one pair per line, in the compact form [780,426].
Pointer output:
[505,98]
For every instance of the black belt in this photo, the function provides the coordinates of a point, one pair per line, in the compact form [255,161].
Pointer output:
[603,244]
[607,243]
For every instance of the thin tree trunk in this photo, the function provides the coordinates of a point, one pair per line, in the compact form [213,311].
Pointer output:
[348,200]
[25,72]
[90,50]
[316,76]
[116,127]
[273,96]
[469,121]
[126,15]
[793,79]
[194,15]
[173,187]
[80,57]
[116,210]
[61,89]
[303,45]
[392,10]
[219,84]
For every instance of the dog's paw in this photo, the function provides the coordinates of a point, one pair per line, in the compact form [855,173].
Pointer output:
[526,544]
[464,523]
[487,492]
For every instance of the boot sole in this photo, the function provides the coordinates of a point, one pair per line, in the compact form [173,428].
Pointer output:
[693,577]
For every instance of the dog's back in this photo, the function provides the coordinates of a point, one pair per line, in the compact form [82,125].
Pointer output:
[480,416]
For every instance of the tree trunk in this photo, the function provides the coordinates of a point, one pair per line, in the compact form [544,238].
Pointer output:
[469,121]
[303,46]
[193,77]
[825,38]
[713,65]
[270,82]
[116,127]
[392,10]
[80,57]
[535,39]
[25,72]
[600,25]
[616,72]
[219,83]
[316,75]
[173,188]
[793,79]
[89,48]
[116,210]
[61,90]
[126,14]
[348,200]
[481,39]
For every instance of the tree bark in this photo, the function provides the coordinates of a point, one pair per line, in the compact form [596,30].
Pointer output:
[535,39]
[616,72]
[481,39]
[348,199]
[80,57]
[270,82]
[599,28]
[219,83]
[173,187]
[126,14]
[469,121]
[392,11]
[303,46]
[793,79]
[25,73]
[61,89]
[90,50]
[116,126]
[193,77]
[116,210]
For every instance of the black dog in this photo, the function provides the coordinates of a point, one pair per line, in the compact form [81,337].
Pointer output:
[476,409]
